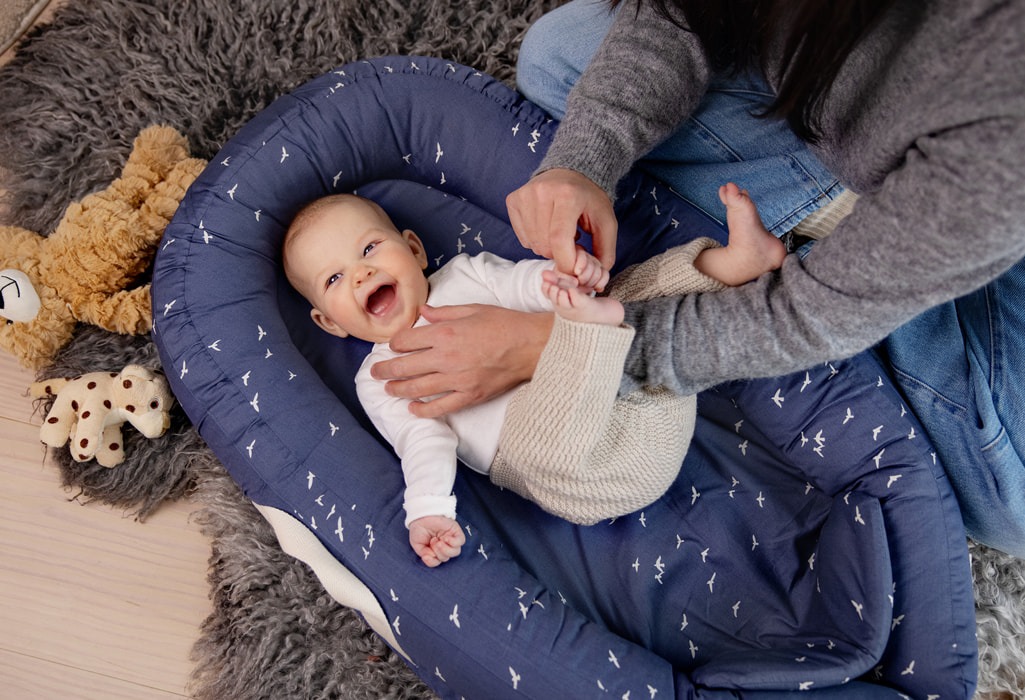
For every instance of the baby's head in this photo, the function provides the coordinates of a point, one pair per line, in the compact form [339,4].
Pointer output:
[362,275]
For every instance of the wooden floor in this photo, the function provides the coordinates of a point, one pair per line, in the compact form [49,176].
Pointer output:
[93,604]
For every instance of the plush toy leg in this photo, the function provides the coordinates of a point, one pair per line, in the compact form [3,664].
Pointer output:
[112,449]
[127,312]
[130,217]
[68,422]
[61,419]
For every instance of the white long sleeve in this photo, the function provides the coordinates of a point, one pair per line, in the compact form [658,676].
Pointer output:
[428,448]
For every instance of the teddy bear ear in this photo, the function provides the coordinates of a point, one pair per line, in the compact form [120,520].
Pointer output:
[19,301]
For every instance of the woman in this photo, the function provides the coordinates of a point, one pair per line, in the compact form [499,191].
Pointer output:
[918,106]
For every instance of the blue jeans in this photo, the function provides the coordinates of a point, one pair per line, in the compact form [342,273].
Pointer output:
[721,142]
[957,364]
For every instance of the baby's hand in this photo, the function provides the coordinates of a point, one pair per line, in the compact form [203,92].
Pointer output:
[436,539]
[589,273]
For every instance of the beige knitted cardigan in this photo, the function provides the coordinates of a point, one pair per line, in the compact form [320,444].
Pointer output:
[568,443]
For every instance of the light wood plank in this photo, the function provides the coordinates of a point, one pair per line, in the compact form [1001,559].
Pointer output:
[45,16]
[15,403]
[26,677]
[86,588]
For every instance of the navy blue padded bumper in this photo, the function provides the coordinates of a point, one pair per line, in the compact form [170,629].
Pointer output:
[810,545]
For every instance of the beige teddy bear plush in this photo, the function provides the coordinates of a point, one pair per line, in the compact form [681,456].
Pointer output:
[90,410]
[84,271]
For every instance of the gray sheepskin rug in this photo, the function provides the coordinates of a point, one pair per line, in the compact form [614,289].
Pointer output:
[72,101]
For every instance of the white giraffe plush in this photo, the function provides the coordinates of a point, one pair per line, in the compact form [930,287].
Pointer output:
[91,409]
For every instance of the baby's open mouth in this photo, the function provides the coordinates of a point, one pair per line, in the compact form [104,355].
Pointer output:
[381,299]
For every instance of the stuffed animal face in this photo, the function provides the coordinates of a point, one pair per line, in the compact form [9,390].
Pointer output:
[36,322]
[18,298]
[141,397]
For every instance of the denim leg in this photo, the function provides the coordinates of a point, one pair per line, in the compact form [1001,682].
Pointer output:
[721,142]
[556,50]
[962,368]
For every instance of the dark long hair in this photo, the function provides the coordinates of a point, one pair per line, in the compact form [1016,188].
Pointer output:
[815,35]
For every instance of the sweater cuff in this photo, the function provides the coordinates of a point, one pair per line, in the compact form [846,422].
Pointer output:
[421,506]
[590,150]
[667,274]
[575,347]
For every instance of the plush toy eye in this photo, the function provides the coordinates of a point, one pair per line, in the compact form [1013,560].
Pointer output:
[154,404]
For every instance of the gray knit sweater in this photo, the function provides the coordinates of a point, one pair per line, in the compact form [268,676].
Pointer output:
[926,121]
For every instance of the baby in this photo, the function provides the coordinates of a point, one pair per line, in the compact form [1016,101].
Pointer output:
[365,278]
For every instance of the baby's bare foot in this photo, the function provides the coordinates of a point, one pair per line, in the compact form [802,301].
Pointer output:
[751,250]
[574,305]
[741,213]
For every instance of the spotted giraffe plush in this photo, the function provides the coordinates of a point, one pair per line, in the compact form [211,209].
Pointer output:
[91,409]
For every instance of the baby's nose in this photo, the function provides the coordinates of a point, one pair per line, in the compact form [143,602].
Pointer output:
[363,274]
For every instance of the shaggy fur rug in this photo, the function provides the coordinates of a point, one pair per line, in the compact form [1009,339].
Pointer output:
[71,102]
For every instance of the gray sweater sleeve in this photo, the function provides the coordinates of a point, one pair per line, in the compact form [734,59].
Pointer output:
[646,77]
[924,122]
[948,221]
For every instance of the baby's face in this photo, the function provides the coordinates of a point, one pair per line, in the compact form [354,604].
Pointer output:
[363,277]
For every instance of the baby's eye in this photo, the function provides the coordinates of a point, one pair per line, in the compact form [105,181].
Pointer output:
[334,278]
[370,247]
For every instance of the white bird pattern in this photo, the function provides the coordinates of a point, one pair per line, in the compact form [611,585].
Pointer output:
[660,563]
[859,607]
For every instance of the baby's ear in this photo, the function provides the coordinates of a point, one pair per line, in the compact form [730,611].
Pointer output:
[417,246]
[325,323]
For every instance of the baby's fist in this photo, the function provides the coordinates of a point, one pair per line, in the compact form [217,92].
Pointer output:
[436,539]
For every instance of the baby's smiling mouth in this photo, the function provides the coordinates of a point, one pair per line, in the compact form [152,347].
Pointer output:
[381,300]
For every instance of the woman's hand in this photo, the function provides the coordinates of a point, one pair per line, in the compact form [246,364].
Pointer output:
[466,354]
[546,211]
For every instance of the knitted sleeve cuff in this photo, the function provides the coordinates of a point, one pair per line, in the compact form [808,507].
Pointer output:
[671,273]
